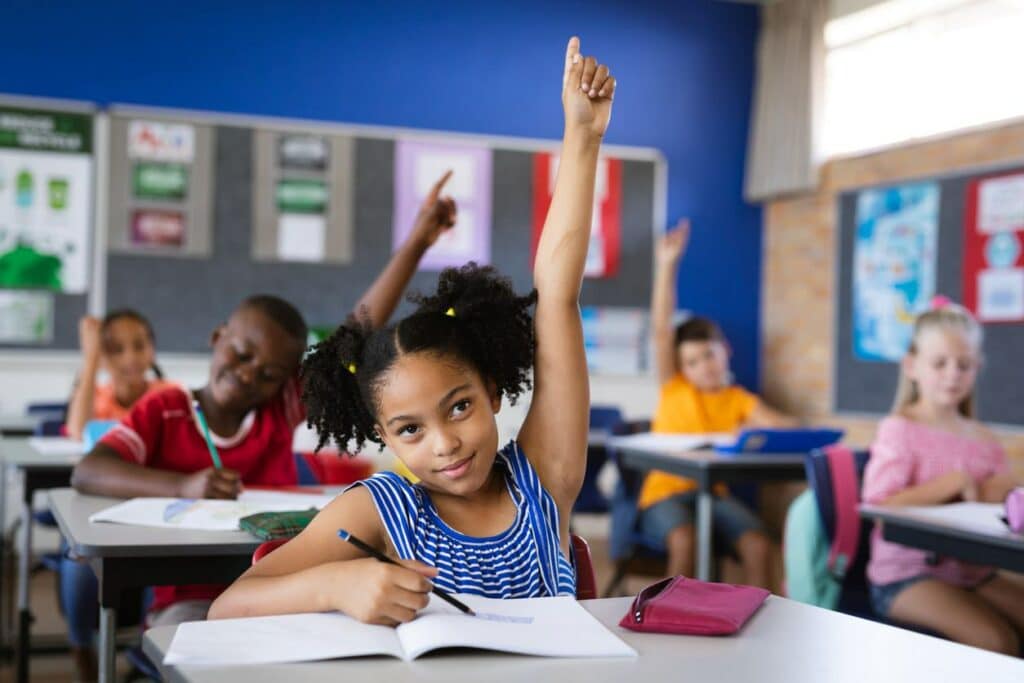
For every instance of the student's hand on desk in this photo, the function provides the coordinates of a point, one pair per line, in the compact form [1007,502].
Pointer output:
[375,592]
[89,337]
[211,483]
[436,215]
[587,92]
[672,245]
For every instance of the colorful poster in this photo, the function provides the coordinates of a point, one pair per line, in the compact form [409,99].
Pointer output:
[26,317]
[45,199]
[994,249]
[893,267]
[152,228]
[418,166]
[606,218]
[161,141]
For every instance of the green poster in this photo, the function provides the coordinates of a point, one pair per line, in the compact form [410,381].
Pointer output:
[160,181]
[45,131]
[301,196]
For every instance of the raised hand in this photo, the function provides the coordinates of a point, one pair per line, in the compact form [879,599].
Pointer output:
[587,91]
[89,337]
[672,245]
[436,214]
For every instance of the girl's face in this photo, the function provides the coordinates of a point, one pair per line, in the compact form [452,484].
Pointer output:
[253,357]
[704,364]
[437,415]
[944,367]
[128,351]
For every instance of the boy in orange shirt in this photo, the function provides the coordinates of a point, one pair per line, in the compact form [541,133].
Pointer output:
[697,396]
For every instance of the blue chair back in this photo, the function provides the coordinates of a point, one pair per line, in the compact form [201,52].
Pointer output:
[52,409]
[604,417]
[590,498]
[94,431]
[624,538]
[48,427]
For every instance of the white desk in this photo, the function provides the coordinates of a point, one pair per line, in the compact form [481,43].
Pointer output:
[707,468]
[785,642]
[38,471]
[973,532]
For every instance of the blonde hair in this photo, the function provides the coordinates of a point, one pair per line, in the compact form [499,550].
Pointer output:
[949,317]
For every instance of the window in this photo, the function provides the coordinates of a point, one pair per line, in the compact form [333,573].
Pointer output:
[907,69]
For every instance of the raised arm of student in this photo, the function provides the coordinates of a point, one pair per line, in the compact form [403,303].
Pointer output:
[80,405]
[554,433]
[436,215]
[668,253]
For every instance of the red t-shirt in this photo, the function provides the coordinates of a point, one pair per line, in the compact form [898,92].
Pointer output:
[162,431]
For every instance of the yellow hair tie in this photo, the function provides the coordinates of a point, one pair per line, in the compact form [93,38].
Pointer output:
[352,368]
[450,313]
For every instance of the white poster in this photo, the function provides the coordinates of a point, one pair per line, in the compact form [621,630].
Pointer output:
[45,218]
[300,237]
[1001,204]
[159,141]
[26,317]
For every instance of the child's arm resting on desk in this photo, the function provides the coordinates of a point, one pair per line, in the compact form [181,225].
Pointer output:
[121,463]
[318,572]
[554,434]
[763,415]
[436,215]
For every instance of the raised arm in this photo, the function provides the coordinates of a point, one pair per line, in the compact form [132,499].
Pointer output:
[80,405]
[436,215]
[554,434]
[667,255]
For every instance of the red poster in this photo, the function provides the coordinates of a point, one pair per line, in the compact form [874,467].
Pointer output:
[606,224]
[993,264]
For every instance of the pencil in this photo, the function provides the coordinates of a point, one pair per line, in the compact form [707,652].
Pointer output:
[373,552]
[214,455]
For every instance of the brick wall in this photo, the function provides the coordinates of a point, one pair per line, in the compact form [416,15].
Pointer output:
[800,264]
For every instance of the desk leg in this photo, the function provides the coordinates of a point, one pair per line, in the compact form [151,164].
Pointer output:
[24,567]
[107,648]
[704,548]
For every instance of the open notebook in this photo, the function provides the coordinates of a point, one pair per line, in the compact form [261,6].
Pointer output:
[205,514]
[546,627]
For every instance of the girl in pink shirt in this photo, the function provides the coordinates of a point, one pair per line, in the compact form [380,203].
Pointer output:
[931,451]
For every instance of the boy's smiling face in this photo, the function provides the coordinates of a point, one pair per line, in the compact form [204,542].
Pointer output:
[437,415]
[253,357]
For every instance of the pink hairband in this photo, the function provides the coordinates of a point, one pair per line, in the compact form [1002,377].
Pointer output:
[940,301]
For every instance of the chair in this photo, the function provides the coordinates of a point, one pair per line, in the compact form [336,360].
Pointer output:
[627,546]
[848,557]
[586,581]
[590,498]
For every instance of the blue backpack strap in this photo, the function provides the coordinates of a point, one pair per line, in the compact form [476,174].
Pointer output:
[842,464]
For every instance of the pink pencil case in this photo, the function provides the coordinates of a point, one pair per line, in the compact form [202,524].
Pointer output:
[688,606]
[1015,510]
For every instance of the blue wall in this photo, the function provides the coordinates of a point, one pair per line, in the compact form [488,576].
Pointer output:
[685,69]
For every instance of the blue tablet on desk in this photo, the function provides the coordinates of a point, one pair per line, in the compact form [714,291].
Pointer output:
[781,440]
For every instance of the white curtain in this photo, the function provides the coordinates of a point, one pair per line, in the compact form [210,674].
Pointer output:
[783,154]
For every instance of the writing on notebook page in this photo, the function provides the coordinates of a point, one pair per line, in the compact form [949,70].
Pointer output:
[503,618]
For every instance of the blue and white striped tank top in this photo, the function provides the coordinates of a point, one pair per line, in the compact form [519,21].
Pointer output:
[524,561]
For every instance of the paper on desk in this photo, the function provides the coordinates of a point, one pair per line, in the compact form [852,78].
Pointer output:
[55,445]
[667,443]
[206,515]
[554,627]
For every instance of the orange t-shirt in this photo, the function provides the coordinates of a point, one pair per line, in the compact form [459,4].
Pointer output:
[684,409]
[106,407]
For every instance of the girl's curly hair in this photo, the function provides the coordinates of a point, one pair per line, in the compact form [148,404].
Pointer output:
[474,317]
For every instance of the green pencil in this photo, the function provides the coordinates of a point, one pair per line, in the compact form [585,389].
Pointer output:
[214,455]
